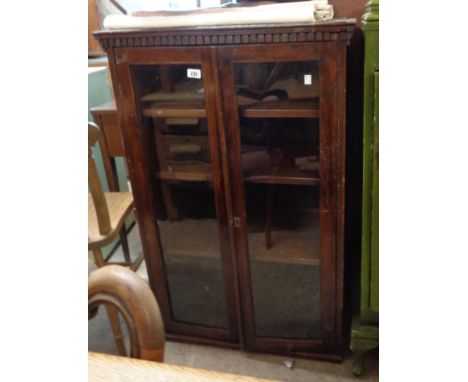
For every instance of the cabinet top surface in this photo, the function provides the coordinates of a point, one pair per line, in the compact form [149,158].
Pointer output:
[336,29]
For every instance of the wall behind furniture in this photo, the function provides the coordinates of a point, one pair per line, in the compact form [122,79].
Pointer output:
[99,92]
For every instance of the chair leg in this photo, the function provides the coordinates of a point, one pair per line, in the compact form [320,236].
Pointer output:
[171,209]
[124,243]
[269,216]
[113,315]
[136,264]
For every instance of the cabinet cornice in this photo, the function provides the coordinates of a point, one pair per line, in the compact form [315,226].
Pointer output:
[335,30]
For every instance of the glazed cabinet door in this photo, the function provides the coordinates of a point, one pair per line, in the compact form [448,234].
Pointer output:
[167,100]
[280,115]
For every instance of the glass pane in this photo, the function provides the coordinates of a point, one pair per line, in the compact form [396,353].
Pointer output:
[281,89]
[279,130]
[172,105]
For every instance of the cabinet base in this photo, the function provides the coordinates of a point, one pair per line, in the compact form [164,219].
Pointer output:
[329,357]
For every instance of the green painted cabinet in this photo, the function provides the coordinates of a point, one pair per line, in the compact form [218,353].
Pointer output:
[365,331]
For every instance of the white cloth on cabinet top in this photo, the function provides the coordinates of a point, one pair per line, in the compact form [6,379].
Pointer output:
[295,12]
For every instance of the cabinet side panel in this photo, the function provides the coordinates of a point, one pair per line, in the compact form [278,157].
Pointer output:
[374,286]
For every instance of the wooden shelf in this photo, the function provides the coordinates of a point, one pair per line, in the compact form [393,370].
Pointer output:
[290,260]
[303,102]
[185,90]
[174,253]
[288,247]
[281,109]
[186,101]
[198,172]
[165,110]
[270,109]
[290,176]
[187,176]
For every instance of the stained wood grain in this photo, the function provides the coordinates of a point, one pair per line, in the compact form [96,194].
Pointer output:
[122,290]
[333,30]
[280,109]
[174,110]
[107,368]
[106,117]
[216,51]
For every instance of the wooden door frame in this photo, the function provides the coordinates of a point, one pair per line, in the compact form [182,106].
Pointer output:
[331,57]
[145,190]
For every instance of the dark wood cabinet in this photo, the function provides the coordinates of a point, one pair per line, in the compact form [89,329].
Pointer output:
[234,139]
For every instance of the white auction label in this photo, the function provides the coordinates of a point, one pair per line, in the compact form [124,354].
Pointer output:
[193,73]
[307,79]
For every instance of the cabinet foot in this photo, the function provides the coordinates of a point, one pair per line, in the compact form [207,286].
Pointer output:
[358,365]
[363,340]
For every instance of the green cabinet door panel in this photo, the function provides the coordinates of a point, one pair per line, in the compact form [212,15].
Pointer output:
[374,252]
[365,328]
[369,253]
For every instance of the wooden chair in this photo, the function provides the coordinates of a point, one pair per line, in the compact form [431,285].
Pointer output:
[107,211]
[129,294]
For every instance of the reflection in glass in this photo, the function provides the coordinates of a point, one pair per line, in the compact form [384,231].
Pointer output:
[279,132]
[281,89]
[284,236]
[172,105]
